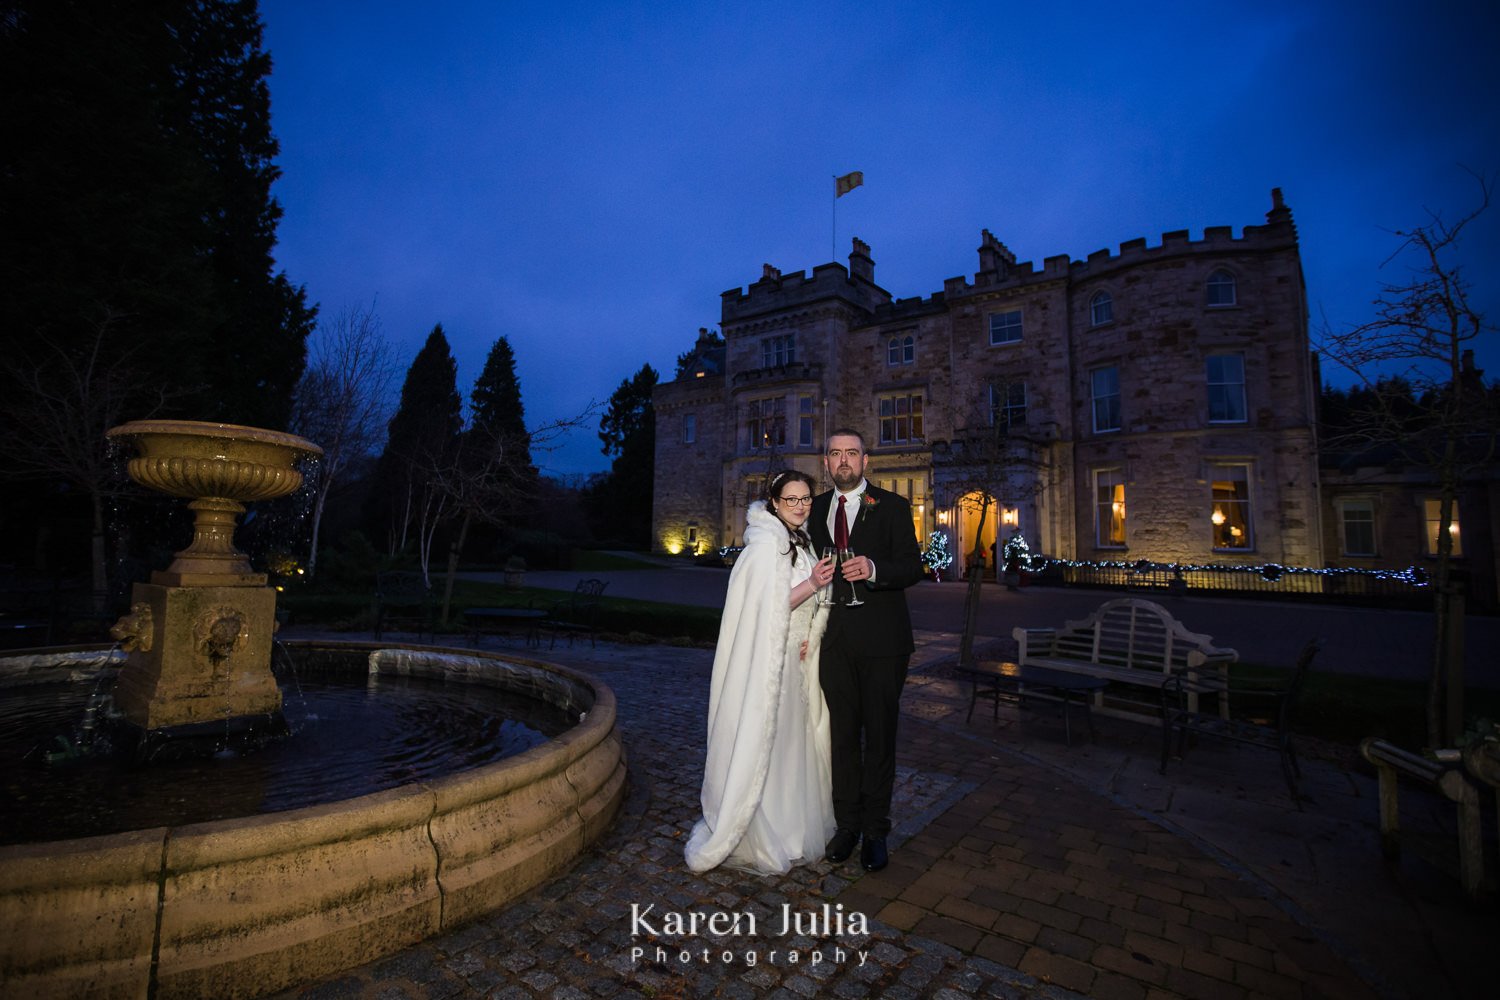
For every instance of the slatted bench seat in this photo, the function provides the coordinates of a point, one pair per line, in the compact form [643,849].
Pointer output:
[1133,643]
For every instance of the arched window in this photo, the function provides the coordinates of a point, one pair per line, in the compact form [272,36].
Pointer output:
[1221,290]
[901,350]
[1101,309]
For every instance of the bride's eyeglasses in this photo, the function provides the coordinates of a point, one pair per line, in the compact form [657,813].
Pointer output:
[795,501]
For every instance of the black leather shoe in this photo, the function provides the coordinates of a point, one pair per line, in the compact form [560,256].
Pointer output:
[840,846]
[873,856]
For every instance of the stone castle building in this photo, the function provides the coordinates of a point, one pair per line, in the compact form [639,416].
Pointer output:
[1156,403]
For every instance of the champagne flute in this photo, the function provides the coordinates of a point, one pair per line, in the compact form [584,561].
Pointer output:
[825,593]
[844,556]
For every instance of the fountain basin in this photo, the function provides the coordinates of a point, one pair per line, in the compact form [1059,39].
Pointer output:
[243,907]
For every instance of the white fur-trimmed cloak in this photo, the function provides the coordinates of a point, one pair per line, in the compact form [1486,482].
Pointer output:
[756,654]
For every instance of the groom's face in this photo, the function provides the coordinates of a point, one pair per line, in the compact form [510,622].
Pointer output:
[845,461]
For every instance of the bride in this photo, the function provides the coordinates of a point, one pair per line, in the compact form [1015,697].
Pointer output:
[767,799]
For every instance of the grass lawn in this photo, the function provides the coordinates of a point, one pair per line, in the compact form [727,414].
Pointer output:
[625,616]
[1346,709]
[592,561]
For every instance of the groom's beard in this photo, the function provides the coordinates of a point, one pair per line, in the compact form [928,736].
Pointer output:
[846,480]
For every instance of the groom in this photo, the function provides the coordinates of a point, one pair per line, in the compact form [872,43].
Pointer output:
[866,647]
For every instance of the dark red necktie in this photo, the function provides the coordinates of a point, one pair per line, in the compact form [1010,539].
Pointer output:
[840,527]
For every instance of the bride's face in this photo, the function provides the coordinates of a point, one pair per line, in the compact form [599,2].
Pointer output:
[794,504]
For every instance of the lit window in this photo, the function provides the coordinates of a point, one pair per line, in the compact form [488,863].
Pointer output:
[1226,389]
[900,418]
[901,350]
[766,423]
[1221,290]
[1008,404]
[1005,328]
[805,421]
[1105,384]
[689,428]
[777,351]
[1109,508]
[1357,525]
[1101,309]
[1433,509]
[1230,515]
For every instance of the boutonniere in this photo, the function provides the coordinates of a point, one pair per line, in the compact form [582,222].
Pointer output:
[866,503]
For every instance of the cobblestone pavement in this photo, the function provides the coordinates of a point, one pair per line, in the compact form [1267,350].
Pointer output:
[1009,878]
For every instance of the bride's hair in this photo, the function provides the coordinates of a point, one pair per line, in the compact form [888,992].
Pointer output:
[796,537]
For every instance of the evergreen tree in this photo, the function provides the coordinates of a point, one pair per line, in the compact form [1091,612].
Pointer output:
[137,173]
[496,402]
[264,321]
[491,477]
[620,504]
[135,178]
[423,436]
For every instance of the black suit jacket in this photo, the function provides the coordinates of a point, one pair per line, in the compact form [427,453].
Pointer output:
[883,532]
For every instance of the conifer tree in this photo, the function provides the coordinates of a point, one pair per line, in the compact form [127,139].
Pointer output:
[135,180]
[422,441]
[620,504]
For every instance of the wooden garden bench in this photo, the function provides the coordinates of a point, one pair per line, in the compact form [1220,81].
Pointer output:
[1134,643]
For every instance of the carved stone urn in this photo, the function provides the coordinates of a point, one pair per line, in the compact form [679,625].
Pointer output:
[199,634]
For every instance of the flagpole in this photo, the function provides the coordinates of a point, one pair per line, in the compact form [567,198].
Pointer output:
[833,231]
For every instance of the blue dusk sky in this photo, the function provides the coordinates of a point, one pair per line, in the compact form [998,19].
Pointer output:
[587,178]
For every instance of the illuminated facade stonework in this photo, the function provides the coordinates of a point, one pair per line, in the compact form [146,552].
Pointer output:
[1156,403]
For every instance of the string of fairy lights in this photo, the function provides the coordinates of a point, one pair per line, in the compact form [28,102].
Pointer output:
[938,556]
[1413,576]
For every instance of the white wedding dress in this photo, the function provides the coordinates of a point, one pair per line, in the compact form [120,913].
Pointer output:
[767,785]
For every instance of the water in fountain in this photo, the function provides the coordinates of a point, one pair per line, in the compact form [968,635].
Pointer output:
[354,732]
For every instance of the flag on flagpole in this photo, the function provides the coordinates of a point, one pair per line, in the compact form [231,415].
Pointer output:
[843,185]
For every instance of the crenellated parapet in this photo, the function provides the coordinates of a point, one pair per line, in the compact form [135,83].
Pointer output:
[776,291]
[999,268]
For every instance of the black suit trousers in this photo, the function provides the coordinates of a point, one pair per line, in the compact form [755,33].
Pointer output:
[864,698]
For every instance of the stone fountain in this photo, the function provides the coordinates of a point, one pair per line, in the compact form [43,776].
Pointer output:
[199,634]
[245,906]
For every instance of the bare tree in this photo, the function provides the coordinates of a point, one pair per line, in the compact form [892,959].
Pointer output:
[57,404]
[490,478]
[1423,334]
[343,401]
[987,460]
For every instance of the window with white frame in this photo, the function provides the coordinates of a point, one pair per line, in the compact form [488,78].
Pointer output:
[901,418]
[1357,527]
[1005,327]
[805,421]
[901,350]
[1109,508]
[1230,515]
[1101,309]
[778,351]
[689,428]
[1432,509]
[1221,289]
[765,423]
[1226,388]
[1008,404]
[1104,385]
